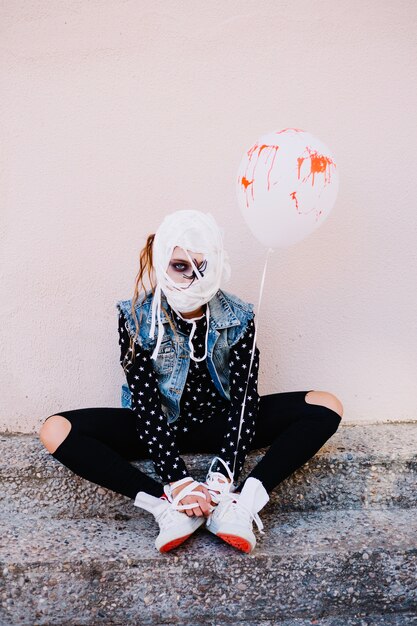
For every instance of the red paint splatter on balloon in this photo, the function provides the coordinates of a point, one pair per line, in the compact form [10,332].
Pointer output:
[246,182]
[254,154]
[293,196]
[284,130]
[319,164]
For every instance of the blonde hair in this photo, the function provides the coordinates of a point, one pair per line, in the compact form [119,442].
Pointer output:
[145,266]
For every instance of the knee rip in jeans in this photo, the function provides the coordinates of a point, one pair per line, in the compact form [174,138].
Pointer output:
[55,434]
[325,398]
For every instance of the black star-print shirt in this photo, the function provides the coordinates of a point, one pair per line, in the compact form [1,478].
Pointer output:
[200,401]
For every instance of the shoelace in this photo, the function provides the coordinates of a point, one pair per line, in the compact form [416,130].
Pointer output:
[232,509]
[214,484]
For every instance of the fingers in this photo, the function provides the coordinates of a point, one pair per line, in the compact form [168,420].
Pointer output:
[205,505]
[208,503]
[202,509]
[204,502]
[194,511]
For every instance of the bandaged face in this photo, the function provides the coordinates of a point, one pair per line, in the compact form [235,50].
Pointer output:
[187,280]
[189,262]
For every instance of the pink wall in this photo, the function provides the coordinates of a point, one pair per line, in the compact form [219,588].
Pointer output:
[114,113]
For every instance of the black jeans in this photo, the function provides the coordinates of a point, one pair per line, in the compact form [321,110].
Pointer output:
[103,441]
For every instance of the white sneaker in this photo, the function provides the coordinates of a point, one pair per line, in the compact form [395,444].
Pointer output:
[232,518]
[175,526]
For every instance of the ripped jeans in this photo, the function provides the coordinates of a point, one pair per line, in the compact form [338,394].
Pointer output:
[103,441]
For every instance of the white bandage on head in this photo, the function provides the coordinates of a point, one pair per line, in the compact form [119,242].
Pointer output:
[196,232]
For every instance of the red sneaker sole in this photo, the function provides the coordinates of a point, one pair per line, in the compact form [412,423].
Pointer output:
[236,542]
[174,543]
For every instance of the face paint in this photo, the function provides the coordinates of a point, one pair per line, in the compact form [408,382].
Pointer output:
[199,233]
[180,269]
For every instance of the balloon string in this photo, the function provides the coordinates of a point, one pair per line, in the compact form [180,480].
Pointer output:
[252,354]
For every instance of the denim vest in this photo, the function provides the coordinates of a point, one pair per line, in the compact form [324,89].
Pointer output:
[229,317]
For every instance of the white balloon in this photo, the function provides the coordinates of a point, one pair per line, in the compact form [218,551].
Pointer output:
[287,184]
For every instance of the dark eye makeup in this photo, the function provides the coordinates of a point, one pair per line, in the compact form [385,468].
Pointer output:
[182,267]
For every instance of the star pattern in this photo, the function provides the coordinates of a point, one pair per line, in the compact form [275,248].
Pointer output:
[199,402]
[151,422]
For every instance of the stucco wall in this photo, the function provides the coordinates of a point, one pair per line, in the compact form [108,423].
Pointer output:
[115,113]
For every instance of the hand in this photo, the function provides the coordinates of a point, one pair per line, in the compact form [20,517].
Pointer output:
[204,502]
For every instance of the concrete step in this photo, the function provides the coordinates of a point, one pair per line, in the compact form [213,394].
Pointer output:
[361,619]
[398,619]
[359,467]
[330,567]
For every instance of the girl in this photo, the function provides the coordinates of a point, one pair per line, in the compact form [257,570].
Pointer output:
[191,363]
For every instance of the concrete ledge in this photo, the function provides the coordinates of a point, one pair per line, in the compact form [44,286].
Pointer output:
[359,467]
[339,545]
